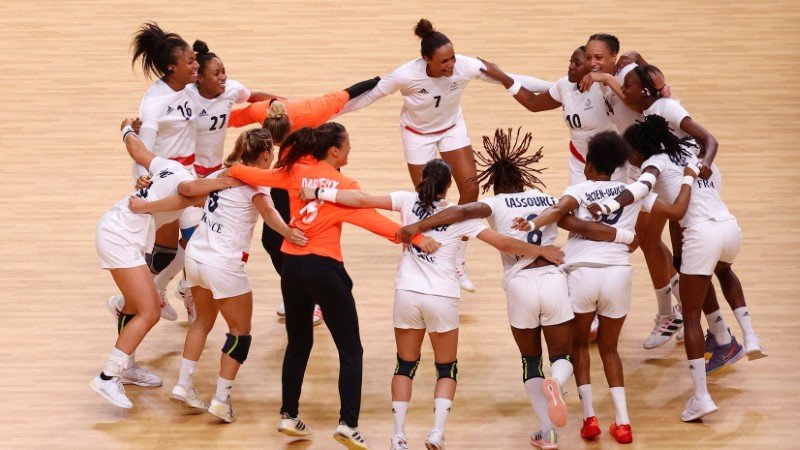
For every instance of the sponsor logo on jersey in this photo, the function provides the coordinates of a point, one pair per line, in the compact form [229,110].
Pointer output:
[588,105]
[454,86]
[169,109]
[203,113]
[423,91]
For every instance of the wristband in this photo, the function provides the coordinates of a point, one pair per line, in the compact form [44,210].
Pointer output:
[609,206]
[695,168]
[533,225]
[126,130]
[514,88]
[688,180]
[316,193]
[327,194]
[624,236]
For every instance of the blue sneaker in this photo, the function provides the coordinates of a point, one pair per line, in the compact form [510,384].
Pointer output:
[711,345]
[724,355]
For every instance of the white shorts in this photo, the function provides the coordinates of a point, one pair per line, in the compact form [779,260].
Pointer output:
[190,217]
[606,290]
[706,243]
[537,297]
[221,283]
[576,174]
[421,148]
[122,239]
[434,313]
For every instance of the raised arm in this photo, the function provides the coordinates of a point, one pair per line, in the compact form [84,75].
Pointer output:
[135,147]
[708,144]
[273,219]
[508,244]
[599,77]
[524,96]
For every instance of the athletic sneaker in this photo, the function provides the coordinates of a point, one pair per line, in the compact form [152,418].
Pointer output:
[593,330]
[222,410]
[137,375]
[711,344]
[698,407]
[556,408]
[186,396]
[547,440]
[435,440]
[184,293]
[167,311]
[398,442]
[752,347]
[349,437]
[679,334]
[115,304]
[463,276]
[622,433]
[317,315]
[724,355]
[293,426]
[666,326]
[590,428]
[112,391]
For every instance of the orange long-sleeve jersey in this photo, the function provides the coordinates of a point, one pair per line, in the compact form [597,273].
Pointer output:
[306,112]
[323,226]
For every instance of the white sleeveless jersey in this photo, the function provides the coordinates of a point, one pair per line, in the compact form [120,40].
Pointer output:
[585,113]
[433,273]
[621,115]
[212,120]
[581,251]
[528,205]
[172,115]
[222,239]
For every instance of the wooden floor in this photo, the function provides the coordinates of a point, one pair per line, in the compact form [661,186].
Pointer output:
[67,83]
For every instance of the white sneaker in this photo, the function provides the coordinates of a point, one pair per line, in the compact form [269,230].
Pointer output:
[546,440]
[435,440]
[698,407]
[593,329]
[463,276]
[281,311]
[752,347]
[137,375]
[186,396]
[184,293]
[222,410]
[167,311]
[398,442]
[350,437]
[665,327]
[115,304]
[679,334]
[112,391]
[317,315]
[293,426]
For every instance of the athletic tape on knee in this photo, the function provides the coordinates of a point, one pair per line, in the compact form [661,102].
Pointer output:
[447,370]
[406,368]
[557,357]
[160,258]
[123,320]
[237,346]
[532,367]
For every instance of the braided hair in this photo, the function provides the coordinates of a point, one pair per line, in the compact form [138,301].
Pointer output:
[505,165]
[653,136]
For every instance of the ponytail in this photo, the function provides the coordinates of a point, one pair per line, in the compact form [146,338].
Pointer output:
[435,181]
[652,136]
[249,146]
[277,121]
[431,39]
[156,49]
[313,142]
[203,54]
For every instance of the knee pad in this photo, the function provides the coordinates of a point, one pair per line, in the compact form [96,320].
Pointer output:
[447,370]
[532,367]
[123,320]
[237,347]
[676,263]
[406,368]
[553,359]
[160,258]
[186,233]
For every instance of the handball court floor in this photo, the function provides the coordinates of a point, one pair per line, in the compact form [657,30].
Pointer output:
[67,83]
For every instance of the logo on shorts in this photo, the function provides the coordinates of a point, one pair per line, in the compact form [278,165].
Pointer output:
[423,91]
[203,113]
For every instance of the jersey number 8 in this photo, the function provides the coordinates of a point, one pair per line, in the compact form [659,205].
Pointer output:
[534,237]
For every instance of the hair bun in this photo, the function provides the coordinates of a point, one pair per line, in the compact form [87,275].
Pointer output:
[276,110]
[423,28]
[200,47]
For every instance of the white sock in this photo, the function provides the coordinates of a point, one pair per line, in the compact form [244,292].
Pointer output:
[676,287]
[174,268]
[441,408]
[539,402]
[461,251]
[585,394]
[187,370]
[561,370]
[664,300]
[223,389]
[618,395]
[697,367]
[743,317]
[399,410]
[117,362]
[717,327]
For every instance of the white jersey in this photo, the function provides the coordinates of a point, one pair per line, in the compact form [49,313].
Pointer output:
[212,121]
[171,115]
[528,205]
[580,251]
[585,113]
[433,273]
[620,114]
[433,104]
[222,239]
[672,111]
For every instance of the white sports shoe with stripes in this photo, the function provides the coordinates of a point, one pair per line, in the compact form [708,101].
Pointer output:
[293,426]
[112,391]
[435,440]
[135,374]
[463,276]
[665,327]
[350,437]
[222,410]
[186,396]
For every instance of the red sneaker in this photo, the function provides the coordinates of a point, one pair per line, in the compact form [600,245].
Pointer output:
[622,433]
[590,428]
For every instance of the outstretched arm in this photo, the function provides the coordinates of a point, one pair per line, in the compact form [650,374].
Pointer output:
[348,197]
[387,86]
[633,192]
[139,205]
[550,215]
[453,214]
[371,220]
[526,97]
[508,244]
[204,186]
